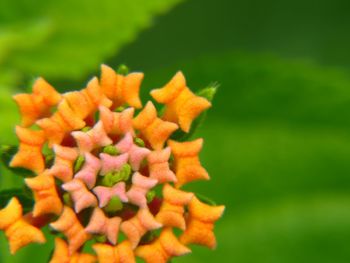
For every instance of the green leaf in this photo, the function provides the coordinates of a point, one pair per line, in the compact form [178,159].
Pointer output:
[6,154]
[26,202]
[69,39]
[207,93]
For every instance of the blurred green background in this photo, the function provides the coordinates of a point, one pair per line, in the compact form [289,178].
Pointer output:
[277,141]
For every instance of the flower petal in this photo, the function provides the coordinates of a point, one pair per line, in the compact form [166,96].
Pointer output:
[137,226]
[38,104]
[29,155]
[46,197]
[96,137]
[158,163]
[82,197]
[121,253]
[200,224]
[18,231]
[63,121]
[140,186]
[187,165]
[64,162]
[61,254]
[121,89]
[117,123]
[70,226]
[100,224]
[162,249]
[182,106]
[155,130]
[89,171]
[172,209]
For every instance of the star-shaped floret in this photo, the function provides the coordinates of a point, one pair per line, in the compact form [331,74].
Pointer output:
[100,224]
[200,225]
[61,254]
[122,253]
[89,171]
[64,162]
[158,163]
[173,207]
[104,194]
[29,154]
[140,186]
[136,153]
[70,226]
[81,196]
[86,101]
[187,165]
[117,123]
[111,163]
[62,122]
[154,129]
[46,198]
[90,140]
[17,230]
[38,104]
[137,226]
[121,89]
[182,106]
[163,248]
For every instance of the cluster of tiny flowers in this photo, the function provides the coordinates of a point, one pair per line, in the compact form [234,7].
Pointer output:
[108,175]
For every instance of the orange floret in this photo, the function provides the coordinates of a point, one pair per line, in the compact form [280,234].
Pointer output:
[70,226]
[87,101]
[63,166]
[154,129]
[101,224]
[45,194]
[18,231]
[163,248]
[172,210]
[182,106]
[158,165]
[61,254]
[64,120]
[121,253]
[121,89]
[187,165]
[29,155]
[117,123]
[200,224]
[38,104]
[137,226]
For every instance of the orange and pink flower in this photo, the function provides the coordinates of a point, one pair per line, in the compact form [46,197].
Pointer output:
[115,178]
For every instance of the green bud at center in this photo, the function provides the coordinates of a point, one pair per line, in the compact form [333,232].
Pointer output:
[111,150]
[113,178]
[86,129]
[139,142]
[114,205]
[150,196]
[79,162]
[100,238]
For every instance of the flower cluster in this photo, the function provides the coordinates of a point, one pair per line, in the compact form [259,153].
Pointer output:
[107,174]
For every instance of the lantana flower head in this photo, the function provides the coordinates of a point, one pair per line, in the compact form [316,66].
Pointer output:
[106,174]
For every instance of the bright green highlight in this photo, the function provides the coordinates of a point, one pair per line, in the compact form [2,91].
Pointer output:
[114,205]
[111,150]
[79,163]
[139,142]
